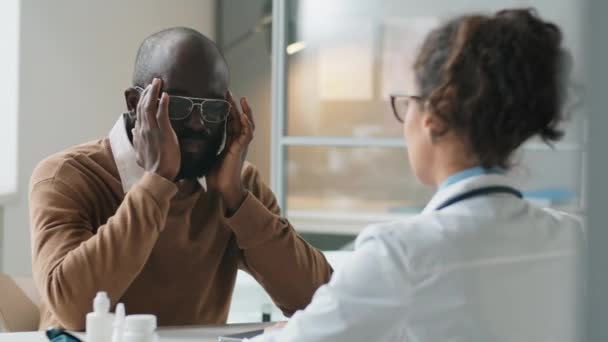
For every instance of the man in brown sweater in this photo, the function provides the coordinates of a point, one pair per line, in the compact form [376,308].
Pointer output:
[162,212]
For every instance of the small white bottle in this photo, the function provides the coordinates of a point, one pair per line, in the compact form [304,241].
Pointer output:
[99,322]
[140,328]
[119,323]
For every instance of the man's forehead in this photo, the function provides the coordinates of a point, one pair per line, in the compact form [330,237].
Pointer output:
[195,82]
[192,77]
[188,63]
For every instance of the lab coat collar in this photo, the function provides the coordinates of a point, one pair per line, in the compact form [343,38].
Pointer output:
[467,185]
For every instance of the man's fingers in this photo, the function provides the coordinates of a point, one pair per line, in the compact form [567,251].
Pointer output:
[234,115]
[233,123]
[250,129]
[136,144]
[135,131]
[162,113]
[247,132]
[139,111]
[151,103]
[248,111]
[135,138]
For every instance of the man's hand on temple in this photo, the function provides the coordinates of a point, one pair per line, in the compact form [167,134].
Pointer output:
[226,177]
[154,139]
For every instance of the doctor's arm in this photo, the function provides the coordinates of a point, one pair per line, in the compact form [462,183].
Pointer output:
[364,300]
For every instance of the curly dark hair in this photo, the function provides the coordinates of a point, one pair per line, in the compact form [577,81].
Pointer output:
[496,80]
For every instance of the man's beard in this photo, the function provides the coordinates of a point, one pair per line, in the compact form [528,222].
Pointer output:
[193,168]
[199,165]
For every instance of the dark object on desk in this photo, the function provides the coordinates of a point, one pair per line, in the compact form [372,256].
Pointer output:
[60,335]
[241,336]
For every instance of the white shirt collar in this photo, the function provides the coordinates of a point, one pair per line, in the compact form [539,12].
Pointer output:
[124,156]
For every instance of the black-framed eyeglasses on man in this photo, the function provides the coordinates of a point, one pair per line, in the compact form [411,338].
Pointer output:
[400,103]
[211,110]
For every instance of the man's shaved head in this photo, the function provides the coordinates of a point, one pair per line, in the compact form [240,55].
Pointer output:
[173,53]
[191,65]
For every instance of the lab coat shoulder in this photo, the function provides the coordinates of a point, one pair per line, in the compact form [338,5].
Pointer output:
[563,218]
[412,245]
[573,227]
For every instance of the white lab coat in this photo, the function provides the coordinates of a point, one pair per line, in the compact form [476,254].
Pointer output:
[489,268]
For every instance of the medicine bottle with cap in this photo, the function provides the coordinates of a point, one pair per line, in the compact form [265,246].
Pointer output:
[99,322]
[140,328]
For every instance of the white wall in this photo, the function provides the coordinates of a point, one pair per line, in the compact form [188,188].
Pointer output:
[76,61]
[9,62]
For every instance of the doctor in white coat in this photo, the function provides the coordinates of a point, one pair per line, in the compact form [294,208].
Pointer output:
[479,263]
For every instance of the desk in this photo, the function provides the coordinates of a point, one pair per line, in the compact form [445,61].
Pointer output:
[205,333]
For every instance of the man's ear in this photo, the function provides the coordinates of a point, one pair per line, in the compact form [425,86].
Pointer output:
[131,98]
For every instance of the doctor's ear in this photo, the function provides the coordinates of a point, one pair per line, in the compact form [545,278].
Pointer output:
[434,126]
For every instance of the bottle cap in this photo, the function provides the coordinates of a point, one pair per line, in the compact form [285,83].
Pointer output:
[101,303]
[143,323]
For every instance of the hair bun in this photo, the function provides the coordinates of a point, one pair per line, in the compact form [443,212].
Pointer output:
[497,80]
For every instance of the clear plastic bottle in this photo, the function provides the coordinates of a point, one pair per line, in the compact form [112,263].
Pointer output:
[99,322]
[140,328]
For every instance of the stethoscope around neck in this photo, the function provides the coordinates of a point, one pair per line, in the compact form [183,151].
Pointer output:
[488,190]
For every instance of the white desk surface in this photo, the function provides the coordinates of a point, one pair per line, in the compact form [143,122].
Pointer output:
[206,333]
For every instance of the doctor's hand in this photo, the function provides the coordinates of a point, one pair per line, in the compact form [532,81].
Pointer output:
[226,176]
[276,327]
[156,145]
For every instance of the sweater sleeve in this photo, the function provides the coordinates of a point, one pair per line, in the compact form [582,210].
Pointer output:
[288,268]
[72,259]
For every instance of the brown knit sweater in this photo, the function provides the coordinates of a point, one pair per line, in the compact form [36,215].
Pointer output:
[163,248]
